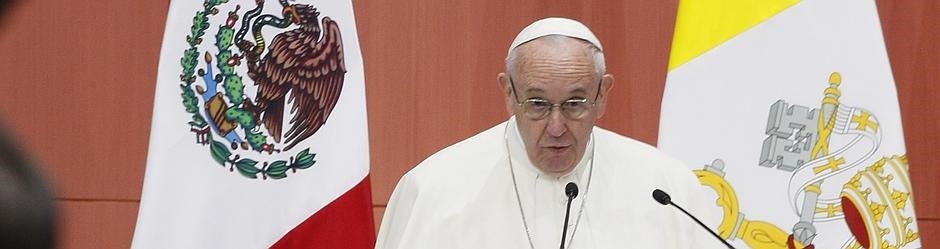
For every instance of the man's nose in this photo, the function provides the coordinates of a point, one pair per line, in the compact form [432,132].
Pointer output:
[556,123]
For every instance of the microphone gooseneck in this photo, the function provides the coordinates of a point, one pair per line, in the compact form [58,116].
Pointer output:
[663,198]
[571,190]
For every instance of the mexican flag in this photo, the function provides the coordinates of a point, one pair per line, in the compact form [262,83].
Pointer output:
[787,110]
[259,134]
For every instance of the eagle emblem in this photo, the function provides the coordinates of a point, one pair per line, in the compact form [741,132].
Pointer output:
[302,68]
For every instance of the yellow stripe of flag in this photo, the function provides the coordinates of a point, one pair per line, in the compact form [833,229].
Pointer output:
[704,24]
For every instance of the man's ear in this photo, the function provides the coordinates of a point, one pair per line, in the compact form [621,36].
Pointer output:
[502,80]
[607,82]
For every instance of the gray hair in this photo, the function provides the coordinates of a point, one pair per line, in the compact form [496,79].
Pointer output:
[599,66]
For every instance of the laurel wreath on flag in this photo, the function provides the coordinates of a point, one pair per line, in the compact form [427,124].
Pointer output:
[246,166]
[234,90]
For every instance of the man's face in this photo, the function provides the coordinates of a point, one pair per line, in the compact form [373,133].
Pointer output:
[556,69]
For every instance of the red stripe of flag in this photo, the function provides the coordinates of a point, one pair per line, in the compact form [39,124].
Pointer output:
[344,223]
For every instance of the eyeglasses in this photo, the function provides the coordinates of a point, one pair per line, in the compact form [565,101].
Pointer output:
[538,108]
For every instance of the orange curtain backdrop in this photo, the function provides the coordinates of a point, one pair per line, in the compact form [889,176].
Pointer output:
[78,80]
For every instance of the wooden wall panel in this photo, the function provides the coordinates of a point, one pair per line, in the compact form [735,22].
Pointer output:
[78,78]
[77,85]
[912,38]
[929,232]
[378,212]
[96,224]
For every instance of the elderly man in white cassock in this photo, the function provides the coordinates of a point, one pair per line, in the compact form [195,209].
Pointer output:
[547,177]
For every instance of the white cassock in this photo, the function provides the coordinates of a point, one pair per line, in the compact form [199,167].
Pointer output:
[464,196]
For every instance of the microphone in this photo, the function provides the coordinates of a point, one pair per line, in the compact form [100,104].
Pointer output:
[571,190]
[663,198]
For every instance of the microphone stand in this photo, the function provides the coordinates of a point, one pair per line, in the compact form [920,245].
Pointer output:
[701,224]
[571,190]
[663,198]
[564,230]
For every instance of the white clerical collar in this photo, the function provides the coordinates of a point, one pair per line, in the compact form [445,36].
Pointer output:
[542,197]
[529,170]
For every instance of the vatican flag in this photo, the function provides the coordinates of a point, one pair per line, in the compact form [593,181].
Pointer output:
[787,110]
[259,136]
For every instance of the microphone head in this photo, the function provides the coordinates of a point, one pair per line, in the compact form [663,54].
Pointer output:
[662,197]
[571,190]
